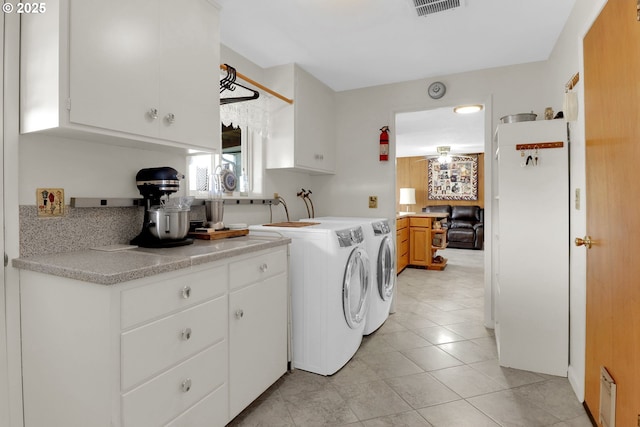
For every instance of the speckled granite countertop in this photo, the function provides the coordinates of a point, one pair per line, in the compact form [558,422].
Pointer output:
[109,268]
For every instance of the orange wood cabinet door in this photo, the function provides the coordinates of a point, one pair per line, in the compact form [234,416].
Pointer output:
[419,246]
[402,243]
[612,131]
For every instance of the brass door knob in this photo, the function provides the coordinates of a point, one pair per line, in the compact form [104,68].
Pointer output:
[584,242]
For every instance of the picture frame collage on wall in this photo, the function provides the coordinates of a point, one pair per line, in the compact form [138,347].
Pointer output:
[454,180]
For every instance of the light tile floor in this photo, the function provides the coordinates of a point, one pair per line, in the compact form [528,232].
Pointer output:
[433,363]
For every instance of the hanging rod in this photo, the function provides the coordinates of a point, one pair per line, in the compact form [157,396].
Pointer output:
[258,85]
[573,81]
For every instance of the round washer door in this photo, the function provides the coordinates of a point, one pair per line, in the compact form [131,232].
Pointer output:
[386,269]
[355,287]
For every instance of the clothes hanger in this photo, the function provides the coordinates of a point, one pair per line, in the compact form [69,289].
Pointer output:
[229,83]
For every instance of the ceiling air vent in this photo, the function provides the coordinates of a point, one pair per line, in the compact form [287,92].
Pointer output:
[428,7]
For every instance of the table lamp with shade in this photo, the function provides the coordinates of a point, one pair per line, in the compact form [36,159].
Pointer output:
[407,197]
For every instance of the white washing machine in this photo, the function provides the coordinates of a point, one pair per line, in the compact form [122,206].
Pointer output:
[329,272]
[380,248]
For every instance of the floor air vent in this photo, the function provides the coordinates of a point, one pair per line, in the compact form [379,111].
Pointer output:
[428,7]
[607,399]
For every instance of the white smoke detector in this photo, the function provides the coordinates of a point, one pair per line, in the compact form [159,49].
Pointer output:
[429,7]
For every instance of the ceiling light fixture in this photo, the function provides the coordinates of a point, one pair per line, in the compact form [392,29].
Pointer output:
[467,109]
[443,154]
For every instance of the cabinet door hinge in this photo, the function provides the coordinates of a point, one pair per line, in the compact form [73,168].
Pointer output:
[6,259]
[69,104]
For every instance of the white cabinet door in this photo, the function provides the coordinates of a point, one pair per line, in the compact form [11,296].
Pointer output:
[315,129]
[533,293]
[114,78]
[302,135]
[257,340]
[189,72]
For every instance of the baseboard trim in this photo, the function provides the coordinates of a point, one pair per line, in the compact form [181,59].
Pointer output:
[589,414]
[577,383]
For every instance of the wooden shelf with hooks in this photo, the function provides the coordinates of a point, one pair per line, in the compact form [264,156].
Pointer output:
[540,145]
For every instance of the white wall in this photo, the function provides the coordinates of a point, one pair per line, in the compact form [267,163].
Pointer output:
[84,169]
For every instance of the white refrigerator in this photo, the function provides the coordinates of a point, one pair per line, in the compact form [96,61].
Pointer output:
[532,284]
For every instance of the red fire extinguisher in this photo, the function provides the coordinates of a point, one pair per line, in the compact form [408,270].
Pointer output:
[384,143]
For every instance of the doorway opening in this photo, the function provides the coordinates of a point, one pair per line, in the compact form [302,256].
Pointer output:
[420,137]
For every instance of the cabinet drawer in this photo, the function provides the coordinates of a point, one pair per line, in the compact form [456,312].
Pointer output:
[403,247]
[403,235]
[259,267]
[170,394]
[210,411]
[420,222]
[402,223]
[157,299]
[149,349]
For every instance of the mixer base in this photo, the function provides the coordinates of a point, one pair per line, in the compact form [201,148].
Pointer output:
[144,242]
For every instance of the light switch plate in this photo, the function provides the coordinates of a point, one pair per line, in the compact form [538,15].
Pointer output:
[50,202]
[373,202]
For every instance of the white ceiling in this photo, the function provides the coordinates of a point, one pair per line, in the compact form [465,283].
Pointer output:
[350,44]
[419,133]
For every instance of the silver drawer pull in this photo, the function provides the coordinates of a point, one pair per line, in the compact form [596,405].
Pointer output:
[186,292]
[186,385]
[170,118]
[186,334]
[239,314]
[152,113]
[264,267]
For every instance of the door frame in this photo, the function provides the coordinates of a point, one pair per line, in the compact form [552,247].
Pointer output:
[489,189]
[4,371]
[11,397]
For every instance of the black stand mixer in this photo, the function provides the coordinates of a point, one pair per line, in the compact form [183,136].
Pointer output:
[164,226]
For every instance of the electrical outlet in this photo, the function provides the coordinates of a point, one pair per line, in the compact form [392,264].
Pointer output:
[373,202]
[50,201]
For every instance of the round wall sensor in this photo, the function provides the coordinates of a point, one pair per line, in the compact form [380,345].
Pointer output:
[437,90]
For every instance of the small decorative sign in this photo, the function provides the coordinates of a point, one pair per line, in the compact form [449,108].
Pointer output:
[50,202]
[455,180]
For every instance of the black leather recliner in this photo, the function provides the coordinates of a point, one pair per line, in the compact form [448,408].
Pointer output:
[465,225]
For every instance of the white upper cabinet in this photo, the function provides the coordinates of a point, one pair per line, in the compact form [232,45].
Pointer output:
[143,70]
[302,135]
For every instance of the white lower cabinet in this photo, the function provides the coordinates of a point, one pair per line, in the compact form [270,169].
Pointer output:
[187,348]
[257,313]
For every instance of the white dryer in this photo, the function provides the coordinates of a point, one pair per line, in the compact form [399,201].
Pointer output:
[329,273]
[380,248]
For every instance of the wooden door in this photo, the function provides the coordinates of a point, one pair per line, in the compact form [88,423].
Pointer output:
[612,120]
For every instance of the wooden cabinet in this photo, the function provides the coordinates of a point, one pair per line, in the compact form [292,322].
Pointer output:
[190,347]
[302,135]
[402,243]
[123,71]
[422,250]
